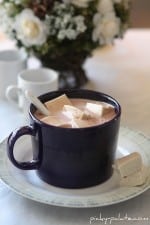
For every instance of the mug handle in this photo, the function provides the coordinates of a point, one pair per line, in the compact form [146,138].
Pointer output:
[25,130]
[10,90]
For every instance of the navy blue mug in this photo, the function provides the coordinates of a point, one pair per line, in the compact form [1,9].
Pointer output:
[70,157]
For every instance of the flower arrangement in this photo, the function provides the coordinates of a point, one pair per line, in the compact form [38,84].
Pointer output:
[63,33]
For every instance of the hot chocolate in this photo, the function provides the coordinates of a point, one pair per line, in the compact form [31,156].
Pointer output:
[76,112]
[71,157]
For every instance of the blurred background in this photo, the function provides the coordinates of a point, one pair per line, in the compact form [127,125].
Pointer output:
[140,14]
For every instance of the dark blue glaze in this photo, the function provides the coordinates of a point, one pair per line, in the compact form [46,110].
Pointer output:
[71,157]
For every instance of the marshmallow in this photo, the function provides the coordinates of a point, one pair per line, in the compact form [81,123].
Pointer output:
[98,110]
[107,108]
[129,164]
[135,179]
[57,104]
[95,109]
[72,111]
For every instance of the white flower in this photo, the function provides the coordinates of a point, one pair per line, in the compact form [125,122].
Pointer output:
[10,9]
[30,30]
[68,33]
[81,27]
[73,29]
[65,20]
[6,22]
[64,24]
[17,2]
[61,35]
[106,28]
[105,6]
[71,34]
[79,3]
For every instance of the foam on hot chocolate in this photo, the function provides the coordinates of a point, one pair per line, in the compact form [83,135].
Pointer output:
[76,112]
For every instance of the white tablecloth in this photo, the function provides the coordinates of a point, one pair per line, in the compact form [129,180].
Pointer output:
[122,71]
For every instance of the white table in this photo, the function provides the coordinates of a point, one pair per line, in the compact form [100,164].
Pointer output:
[122,71]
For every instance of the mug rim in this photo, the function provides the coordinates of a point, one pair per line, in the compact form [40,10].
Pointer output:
[110,98]
[52,77]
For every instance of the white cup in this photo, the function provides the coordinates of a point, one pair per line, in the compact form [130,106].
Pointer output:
[11,63]
[38,81]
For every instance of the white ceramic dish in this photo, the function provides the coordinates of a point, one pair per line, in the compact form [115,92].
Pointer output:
[28,184]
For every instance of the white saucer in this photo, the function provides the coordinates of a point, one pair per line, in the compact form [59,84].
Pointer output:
[28,184]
